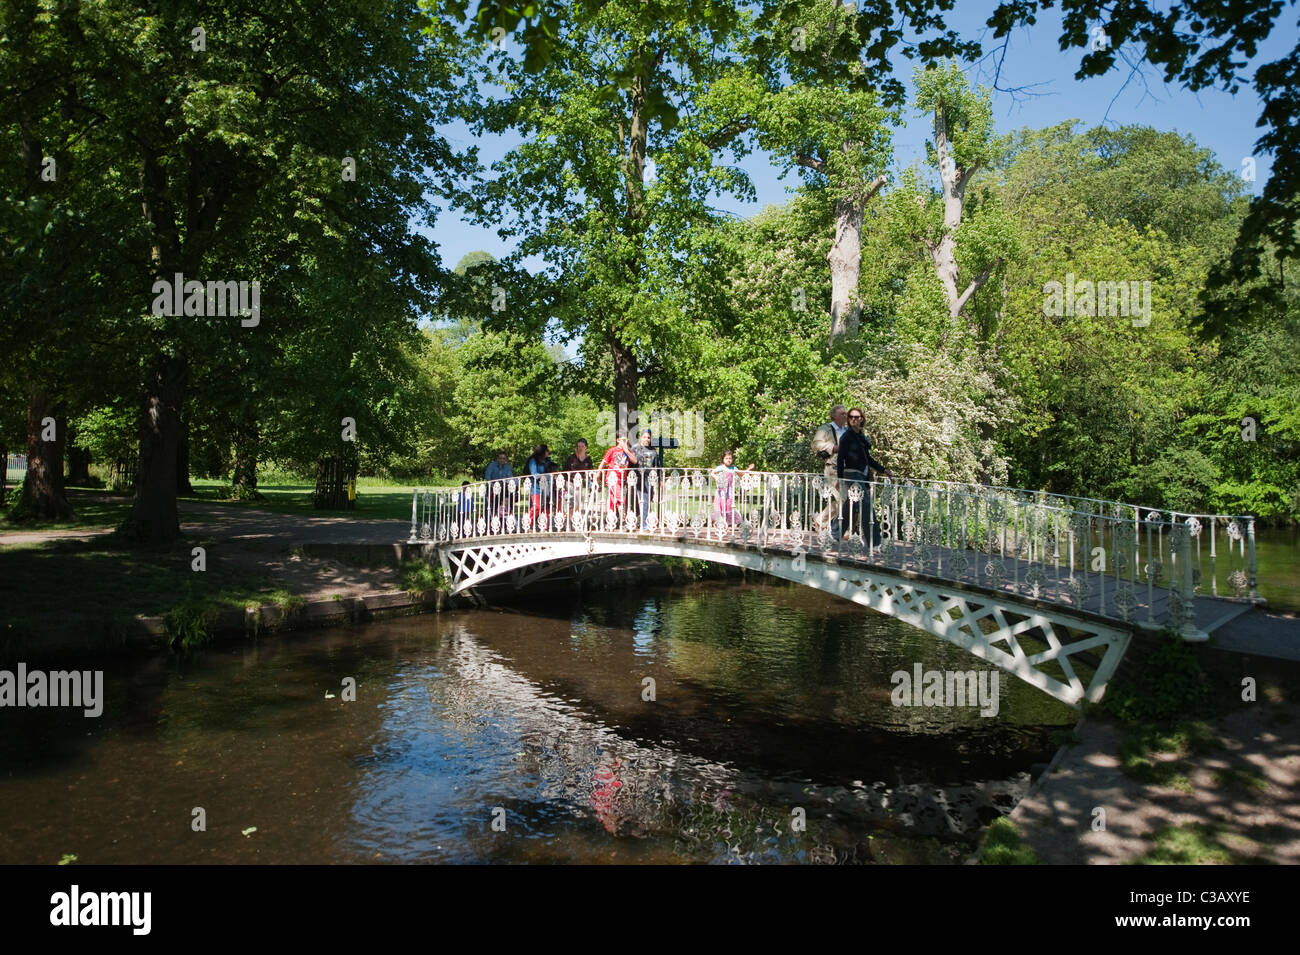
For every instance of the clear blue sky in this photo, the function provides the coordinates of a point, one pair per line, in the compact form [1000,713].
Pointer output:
[1217,120]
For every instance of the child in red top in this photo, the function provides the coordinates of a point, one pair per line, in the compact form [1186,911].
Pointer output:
[617,459]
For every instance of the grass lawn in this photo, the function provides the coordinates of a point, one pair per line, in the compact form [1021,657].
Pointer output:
[90,590]
[96,508]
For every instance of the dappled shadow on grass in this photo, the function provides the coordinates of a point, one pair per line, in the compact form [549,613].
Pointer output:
[1200,843]
[87,592]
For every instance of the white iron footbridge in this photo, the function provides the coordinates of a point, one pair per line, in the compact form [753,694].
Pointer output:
[1048,587]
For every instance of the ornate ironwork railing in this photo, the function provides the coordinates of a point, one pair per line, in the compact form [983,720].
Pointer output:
[1114,559]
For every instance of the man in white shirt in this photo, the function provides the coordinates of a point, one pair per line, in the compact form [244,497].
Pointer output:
[825,446]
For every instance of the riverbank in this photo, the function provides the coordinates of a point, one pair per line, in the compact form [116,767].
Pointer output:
[1224,790]
[238,572]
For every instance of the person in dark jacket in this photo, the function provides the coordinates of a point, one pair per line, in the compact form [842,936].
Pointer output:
[854,465]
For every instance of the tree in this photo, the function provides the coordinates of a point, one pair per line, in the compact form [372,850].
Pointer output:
[221,114]
[628,254]
[962,144]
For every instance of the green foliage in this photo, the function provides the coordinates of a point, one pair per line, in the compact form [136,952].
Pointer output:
[1164,684]
[1003,845]
[1199,843]
[420,577]
[187,623]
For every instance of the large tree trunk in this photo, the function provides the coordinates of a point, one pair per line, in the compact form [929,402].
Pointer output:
[43,496]
[4,473]
[845,258]
[247,437]
[626,380]
[154,516]
[626,373]
[955,179]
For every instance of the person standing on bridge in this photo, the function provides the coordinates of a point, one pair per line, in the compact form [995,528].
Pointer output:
[500,492]
[826,446]
[854,464]
[541,489]
[618,459]
[724,502]
[579,461]
[646,475]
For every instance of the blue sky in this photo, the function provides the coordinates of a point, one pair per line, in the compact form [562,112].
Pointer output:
[1220,121]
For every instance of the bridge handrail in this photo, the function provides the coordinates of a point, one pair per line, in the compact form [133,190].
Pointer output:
[916,518]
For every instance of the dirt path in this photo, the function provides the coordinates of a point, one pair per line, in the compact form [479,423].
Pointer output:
[265,543]
[1244,796]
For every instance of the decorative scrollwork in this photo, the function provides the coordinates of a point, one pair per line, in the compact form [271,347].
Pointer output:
[482,526]
[1180,610]
[1239,582]
[1153,570]
[996,572]
[1035,579]
[426,531]
[1125,600]
[1079,589]
[1234,530]
[1194,526]
[697,520]
[959,565]
[748,481]
[674,478]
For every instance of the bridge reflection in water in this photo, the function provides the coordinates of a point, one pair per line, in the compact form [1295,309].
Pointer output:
[1049,587]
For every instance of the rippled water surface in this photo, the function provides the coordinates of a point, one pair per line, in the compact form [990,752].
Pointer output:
[525,735]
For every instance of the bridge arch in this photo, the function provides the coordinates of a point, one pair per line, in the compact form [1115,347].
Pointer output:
[990,625]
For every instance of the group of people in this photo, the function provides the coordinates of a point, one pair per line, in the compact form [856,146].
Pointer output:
[840,444]
[846,455]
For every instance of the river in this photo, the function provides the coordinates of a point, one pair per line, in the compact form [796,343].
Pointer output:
[531,734]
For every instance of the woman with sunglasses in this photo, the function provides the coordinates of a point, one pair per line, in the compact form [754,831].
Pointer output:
[854,465]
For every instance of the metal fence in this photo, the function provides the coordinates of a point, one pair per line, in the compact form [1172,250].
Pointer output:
[1111,558]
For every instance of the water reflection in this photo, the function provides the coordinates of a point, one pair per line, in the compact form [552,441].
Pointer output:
[770,738]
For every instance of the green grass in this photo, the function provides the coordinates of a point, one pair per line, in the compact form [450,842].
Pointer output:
[1141,744]
[374,501]
[93,510]
[419,577]
[91,590]
[1003,845]
[1199,843]
[1241,779]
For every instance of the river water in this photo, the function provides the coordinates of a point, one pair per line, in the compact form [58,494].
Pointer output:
[527,735]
